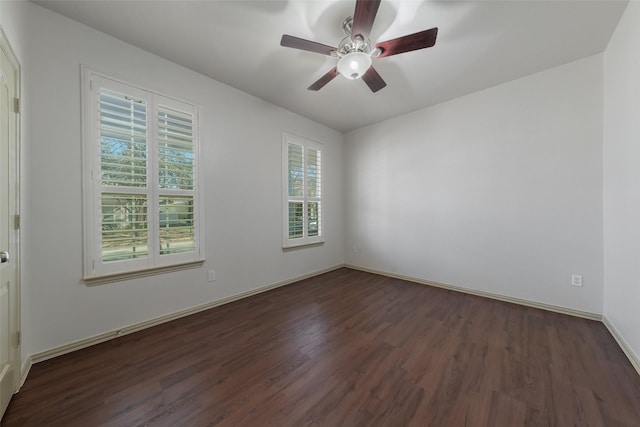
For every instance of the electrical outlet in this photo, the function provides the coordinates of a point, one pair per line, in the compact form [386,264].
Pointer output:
[212,275]
[576,280]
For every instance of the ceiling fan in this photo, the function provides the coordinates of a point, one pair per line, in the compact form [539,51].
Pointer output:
[356,52]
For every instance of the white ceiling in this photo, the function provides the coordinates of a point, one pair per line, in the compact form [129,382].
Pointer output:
[480,44]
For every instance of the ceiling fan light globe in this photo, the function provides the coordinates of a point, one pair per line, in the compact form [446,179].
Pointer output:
[353,65]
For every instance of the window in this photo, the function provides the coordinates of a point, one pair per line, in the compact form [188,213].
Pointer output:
[142,208]
[302,191]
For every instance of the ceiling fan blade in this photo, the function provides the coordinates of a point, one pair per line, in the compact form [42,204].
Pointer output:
[322,81]
[363,17]
[415,41]
[302,44]
[373,80]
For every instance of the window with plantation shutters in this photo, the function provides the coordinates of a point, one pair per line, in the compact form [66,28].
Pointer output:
[142,208]
[302,192]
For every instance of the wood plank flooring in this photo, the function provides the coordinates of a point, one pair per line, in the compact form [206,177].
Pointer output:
[346,348]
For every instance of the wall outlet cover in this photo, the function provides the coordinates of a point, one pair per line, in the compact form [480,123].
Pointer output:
[576,280]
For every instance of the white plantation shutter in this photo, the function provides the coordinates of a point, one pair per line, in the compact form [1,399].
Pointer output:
[123,139]
[123,175]
[175,149]
[124,227]
[141,179]
[302,194]
[313,169]
[176,167]
[295,184]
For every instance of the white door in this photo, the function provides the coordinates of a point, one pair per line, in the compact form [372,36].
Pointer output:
[9,286]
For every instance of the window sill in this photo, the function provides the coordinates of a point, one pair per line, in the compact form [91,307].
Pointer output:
[300,245]
[118,277]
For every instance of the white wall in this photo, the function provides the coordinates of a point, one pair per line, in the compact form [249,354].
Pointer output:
[499,191]
[241,155]
[13,19]
[622,179]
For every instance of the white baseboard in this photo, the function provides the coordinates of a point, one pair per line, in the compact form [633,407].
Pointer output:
[542,306]
[24,371]
[106,336]
[624,345]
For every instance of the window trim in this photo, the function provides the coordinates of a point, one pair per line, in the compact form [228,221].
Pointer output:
[287,242]
[94,270]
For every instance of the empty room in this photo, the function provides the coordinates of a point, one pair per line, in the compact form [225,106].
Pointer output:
[320,213]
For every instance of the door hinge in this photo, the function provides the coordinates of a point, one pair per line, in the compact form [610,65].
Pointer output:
[16,222]
[18,338]
[16,105]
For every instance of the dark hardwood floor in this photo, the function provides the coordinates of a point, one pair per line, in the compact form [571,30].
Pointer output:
[346,348]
